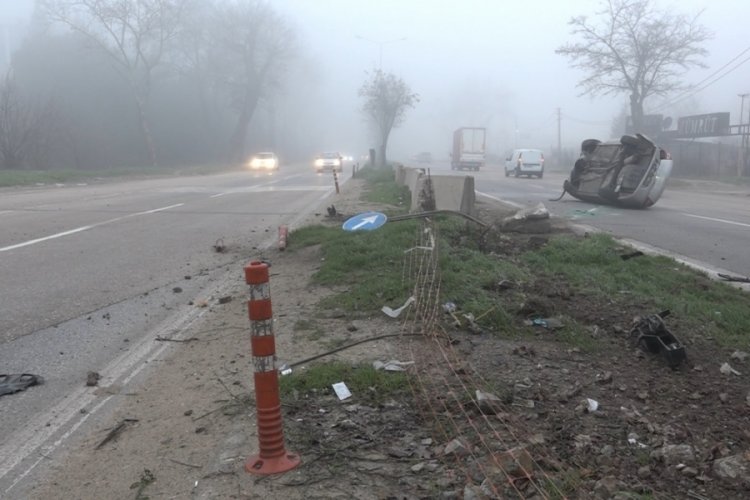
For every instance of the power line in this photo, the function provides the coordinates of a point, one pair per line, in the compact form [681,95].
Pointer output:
[697,87]
[585,122]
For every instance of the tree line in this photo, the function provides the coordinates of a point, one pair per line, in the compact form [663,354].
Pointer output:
[104,83]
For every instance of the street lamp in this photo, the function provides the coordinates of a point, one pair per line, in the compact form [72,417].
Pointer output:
[380,44]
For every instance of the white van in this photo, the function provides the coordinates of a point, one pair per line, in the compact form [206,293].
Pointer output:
[525,162]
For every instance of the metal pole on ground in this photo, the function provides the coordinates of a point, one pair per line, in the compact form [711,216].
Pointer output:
[273,457]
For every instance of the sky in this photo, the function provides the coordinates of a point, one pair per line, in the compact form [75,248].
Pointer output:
[477,63]
[453,53]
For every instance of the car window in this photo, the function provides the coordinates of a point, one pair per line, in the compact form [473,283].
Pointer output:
[532,156]
[265,156]
[329,155]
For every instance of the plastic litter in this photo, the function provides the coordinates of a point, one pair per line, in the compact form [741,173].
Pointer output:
[449,307]
[548,323]
[12,383]
[395,313]
[726,369]
[342,391]
[392,365]
[591,405]
[533,213]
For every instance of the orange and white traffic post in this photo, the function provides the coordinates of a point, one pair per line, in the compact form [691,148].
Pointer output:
[283,234]
[273,457]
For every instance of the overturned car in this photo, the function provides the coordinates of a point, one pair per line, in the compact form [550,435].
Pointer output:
[631,172]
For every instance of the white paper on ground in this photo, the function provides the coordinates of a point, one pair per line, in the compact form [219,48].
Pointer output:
[342,391]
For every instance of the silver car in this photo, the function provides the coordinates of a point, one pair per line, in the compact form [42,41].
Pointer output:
[525,162]
[631,172]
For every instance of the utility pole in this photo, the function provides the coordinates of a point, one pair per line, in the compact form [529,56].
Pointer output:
[380,44]
[743,137]
[559,136]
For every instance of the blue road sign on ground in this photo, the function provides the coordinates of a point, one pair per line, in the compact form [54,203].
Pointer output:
[366,221]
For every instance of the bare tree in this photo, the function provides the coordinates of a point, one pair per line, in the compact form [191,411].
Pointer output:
[251,45]
[24,128]
[133,33]
[633,48]
[387,97]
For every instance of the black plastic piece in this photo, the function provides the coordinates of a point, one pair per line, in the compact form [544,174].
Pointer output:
[18,382]
[652,335]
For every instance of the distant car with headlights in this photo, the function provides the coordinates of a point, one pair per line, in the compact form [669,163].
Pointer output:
[264,161]
[329,161]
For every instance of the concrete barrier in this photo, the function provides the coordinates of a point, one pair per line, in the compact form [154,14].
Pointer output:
[411,177]
[450,192]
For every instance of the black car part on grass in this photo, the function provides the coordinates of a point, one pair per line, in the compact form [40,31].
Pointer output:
[651,334]
[10,384]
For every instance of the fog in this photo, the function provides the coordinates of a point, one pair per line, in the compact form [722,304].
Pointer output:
[473,63]
[491,63]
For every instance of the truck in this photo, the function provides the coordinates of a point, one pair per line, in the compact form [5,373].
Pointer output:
[468,148]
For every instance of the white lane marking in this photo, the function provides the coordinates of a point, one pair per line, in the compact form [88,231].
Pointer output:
[123,369]
[5,212]
[50,237]
[511,203]
[734,223]
[252,188]
[84,228]
[326,194]
[156,210]
[67,412]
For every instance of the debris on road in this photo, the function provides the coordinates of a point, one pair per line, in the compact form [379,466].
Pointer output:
[115,432]
[225,300]
[10,384]
[92,379]
[738,279]
[219,246]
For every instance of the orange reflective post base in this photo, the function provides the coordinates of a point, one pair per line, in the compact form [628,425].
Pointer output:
[273,457]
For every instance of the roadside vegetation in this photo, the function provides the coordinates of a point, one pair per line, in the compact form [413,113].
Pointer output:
[504,283]
[360,379]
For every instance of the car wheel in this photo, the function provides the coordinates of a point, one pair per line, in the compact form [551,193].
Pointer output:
[507,174]
[589,145]
[518,172]
[541,174]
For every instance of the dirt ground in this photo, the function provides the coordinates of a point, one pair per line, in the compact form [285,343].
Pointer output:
[655,432]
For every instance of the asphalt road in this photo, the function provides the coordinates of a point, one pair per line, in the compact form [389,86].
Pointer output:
[706,222]
[90,273]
